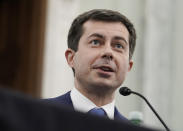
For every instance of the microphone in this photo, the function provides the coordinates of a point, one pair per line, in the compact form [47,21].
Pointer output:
[125,91]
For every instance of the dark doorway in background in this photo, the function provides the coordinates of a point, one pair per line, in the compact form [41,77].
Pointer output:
[22,28]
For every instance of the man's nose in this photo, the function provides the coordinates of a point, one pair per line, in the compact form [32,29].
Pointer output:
[107,52]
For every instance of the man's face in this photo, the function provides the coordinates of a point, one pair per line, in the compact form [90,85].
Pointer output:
[102,59]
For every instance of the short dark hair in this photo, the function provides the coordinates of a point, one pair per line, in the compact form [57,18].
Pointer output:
[76,29]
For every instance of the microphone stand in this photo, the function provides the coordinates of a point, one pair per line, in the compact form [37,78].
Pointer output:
[152,109]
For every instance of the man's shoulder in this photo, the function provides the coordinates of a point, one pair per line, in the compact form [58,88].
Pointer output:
[64,99]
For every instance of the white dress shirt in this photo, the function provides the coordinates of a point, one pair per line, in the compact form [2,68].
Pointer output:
[83,104]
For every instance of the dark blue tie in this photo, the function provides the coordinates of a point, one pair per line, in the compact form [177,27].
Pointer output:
[98,112]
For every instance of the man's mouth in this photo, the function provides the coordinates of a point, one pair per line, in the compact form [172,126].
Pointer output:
[105,68]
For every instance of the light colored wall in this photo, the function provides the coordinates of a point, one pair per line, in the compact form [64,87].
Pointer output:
[163,62]
[57,76]
[157,71]
[158,59]
[177,87]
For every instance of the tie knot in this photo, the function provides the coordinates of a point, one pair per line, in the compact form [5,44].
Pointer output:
[98,112]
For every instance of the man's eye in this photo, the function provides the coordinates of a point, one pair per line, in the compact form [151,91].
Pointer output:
[119,46]
[95,42]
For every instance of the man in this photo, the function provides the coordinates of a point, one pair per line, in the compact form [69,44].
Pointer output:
[100,48]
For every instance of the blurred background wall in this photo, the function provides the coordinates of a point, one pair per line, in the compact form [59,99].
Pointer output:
[33,40]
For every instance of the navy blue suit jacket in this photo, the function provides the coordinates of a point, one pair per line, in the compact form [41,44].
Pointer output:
[66,100]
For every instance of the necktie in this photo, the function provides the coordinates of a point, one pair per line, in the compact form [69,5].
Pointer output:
[98,112]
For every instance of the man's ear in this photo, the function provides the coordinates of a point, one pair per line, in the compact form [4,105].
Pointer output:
[69,55]
[130,65]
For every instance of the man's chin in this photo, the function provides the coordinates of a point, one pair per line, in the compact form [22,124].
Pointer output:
[103,85]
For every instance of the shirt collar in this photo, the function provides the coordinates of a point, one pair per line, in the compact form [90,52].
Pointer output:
[83,104]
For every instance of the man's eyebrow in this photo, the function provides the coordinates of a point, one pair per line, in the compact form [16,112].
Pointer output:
[120,38]
[96,35]
[115,38]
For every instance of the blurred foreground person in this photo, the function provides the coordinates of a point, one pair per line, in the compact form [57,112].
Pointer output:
[22,113]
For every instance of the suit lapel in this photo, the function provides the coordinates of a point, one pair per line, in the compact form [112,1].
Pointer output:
[118,116]
[63,100]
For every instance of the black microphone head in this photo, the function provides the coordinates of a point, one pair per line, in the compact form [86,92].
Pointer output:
[125,91]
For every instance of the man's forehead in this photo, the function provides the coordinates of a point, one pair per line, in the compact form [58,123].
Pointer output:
[101,22]
[102,27]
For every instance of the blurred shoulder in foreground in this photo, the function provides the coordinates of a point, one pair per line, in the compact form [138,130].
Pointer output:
[22,113]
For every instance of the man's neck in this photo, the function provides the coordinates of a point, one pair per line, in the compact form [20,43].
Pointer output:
[99,98]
